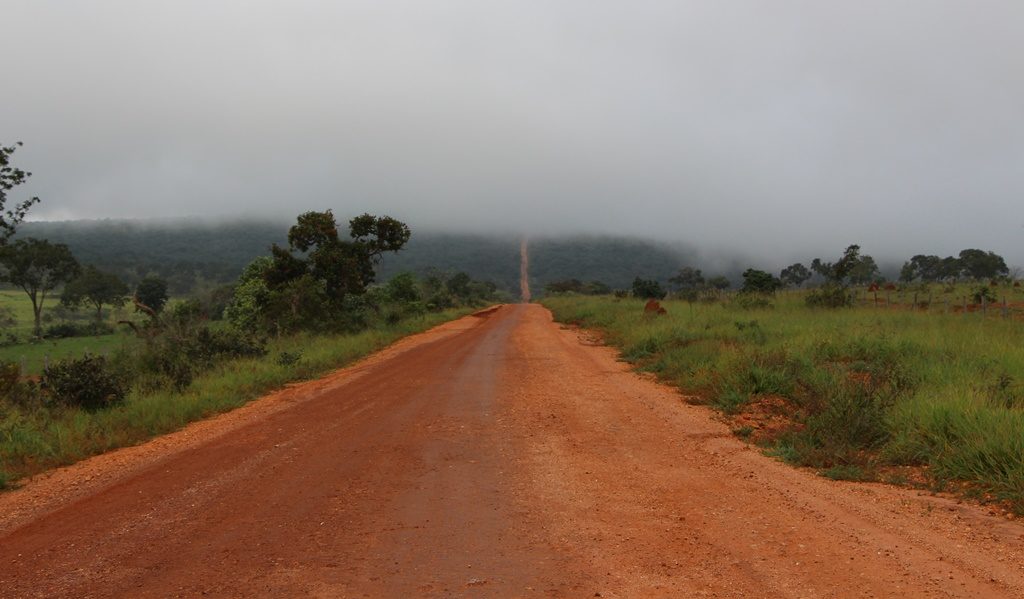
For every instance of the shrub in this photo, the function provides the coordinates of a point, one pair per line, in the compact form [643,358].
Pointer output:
[753,301]
[89,382]
[184,351]
[647,289]
[66,330]
[829,296]
[984,293]
[15,390]
[759,281]
[287,358]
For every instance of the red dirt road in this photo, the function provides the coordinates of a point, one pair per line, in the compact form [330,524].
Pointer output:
[497,456]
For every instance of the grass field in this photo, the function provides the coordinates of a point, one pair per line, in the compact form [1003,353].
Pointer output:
[856,393]
[38,439]
[33,355]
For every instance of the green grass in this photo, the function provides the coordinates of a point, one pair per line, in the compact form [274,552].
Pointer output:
[35,440]
[33,356]
[869,387]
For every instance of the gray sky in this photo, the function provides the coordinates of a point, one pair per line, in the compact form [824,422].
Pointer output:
[787,127]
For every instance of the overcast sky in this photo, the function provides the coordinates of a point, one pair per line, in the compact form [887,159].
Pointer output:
[790,127]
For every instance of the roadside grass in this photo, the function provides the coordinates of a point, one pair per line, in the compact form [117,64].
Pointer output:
[865,388]
[33,440]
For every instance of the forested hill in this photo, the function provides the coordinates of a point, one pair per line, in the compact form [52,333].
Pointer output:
[615,261]
[193,254]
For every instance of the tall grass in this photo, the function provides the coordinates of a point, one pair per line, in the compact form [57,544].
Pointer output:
[38,439]
[865,388]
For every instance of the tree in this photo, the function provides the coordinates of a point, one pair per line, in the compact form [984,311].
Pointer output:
[152,293]
[402,288]
[96,289]
[647,289]
[928,268]
[688,279]
[720,283]
[851,267]
[864,271]
[458,286]
[950,269]
[37,267]
[245,310]
[309,281]
[795,275]
[11,177]
[759,281]
[979,264]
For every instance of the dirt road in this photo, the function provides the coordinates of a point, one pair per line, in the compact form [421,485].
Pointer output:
[497,456]
[524,270]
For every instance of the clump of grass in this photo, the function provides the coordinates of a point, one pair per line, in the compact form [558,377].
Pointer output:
[731,401]
[847,472]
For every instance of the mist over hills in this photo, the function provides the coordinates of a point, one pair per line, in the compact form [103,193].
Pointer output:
[193,253]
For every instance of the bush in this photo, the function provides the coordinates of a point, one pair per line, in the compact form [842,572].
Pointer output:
[89,382]
[184,351]
[984,293]
[829,296]
[67,330]
[647,289]
[15,390]
[289,358]
[753,301]
[759,281]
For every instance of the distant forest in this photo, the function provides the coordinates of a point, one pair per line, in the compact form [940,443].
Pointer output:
[195,255]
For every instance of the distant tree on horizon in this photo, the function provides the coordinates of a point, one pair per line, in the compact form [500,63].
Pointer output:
[759,281]
[647,289]
[95,288]
[795,275]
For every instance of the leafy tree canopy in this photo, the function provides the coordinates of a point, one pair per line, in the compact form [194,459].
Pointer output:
[37,267]
[759,281]
[96,289]
[720,282]
[647,289]
[11,177]
[688,279]
[152,293]
[795,275]
[979,264]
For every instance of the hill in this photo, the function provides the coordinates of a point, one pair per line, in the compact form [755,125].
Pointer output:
[193,254]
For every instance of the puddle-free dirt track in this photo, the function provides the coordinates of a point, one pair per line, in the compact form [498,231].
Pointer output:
[496,456]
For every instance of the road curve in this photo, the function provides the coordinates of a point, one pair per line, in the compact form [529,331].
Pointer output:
[500,456]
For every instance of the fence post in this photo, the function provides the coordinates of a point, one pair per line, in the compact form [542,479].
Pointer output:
[965,306]
[46,362]
[984,305]
[947,305]
[1006,308]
